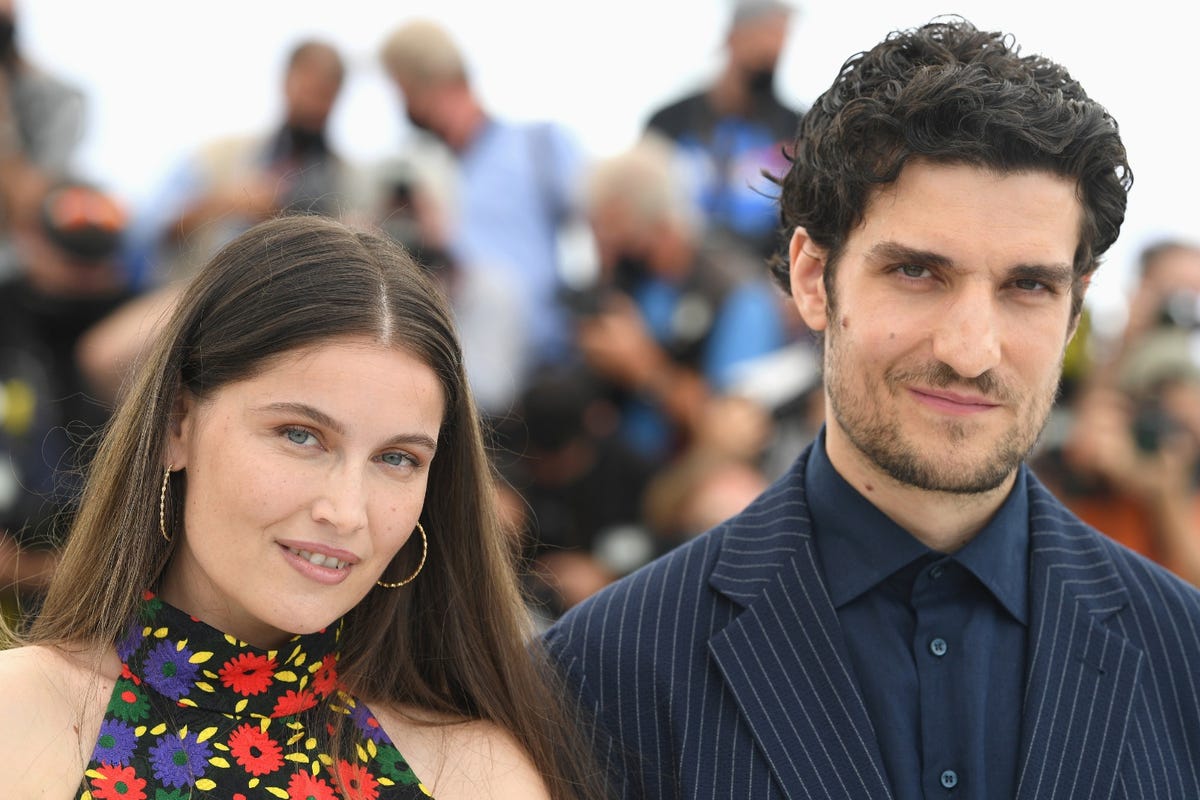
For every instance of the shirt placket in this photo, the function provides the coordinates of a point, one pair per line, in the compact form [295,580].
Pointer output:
[941,616]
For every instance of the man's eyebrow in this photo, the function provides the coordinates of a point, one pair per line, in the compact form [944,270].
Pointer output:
[319,417]
[894,251]
[1058,275]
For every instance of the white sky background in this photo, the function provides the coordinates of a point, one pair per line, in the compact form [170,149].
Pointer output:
[163,77]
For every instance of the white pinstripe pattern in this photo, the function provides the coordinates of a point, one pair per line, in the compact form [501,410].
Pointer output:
[719,671]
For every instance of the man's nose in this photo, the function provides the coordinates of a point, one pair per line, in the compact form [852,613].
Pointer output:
[967,333]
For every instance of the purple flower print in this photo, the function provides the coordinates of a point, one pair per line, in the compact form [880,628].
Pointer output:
[128,644]
[115,743]
[365,721]
[169,671]
[179,761]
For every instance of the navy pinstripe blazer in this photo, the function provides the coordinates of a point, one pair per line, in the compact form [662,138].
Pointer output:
[720,670]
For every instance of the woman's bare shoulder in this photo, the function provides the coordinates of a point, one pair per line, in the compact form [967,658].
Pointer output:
[461,759]
[54,699]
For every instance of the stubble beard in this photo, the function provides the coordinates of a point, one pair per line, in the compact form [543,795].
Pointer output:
[877,435]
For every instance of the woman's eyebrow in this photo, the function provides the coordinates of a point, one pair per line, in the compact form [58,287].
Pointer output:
[319,417]
[305,410]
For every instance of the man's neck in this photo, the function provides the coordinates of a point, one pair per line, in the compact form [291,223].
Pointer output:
[942,521]
[727,94]
[464,124]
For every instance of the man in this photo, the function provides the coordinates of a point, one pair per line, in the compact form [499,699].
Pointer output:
[237,181]
[731,130]
[41,123]
[909,613]
[681,314]
[71,278]
[513,184]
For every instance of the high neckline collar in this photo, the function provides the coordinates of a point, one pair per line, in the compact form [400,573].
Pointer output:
[194,664]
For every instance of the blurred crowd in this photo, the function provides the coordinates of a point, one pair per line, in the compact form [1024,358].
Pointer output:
[641,377]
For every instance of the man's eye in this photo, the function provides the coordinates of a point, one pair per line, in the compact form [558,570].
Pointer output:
[299,436]
[912,271]
[1030,285]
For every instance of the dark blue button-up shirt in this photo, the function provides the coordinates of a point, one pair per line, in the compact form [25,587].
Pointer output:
[937,642]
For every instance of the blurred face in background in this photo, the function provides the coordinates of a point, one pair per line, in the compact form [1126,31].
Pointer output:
[311,88]
[755,47]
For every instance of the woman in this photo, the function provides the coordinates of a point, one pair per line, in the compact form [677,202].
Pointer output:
[286,570]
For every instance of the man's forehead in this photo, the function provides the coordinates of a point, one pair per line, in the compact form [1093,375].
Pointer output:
[925,191]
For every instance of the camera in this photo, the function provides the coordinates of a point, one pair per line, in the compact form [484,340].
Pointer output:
[586,302]
[1151,425]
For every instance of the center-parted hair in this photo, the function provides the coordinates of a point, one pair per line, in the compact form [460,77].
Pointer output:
[456,641]
[949,93]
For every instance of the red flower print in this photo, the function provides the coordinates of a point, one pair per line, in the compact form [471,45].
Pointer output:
[293,703]
[249,673]
[258,753]
[325,681]
[355,782]
[303,786]
[118,783]
[129,676]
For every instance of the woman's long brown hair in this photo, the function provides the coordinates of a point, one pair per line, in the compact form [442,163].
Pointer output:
[456,641]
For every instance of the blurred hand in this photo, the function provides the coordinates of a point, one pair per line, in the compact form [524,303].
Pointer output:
[24,569]
[618,346]
[1102,443]
[574,575]
[735,427]
[1101,439]
[255,199]
[1182,401]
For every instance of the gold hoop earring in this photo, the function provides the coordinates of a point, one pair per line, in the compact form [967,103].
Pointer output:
[417,571]
[162,504]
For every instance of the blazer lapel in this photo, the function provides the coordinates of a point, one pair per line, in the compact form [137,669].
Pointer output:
[1082,675]
[783,657]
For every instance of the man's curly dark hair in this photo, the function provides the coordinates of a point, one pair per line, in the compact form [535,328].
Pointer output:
[949,93]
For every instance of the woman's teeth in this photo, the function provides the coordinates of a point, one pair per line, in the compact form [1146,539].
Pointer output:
[319,559]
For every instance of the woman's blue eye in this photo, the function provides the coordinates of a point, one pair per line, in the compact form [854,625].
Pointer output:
[396,459]
[298,435]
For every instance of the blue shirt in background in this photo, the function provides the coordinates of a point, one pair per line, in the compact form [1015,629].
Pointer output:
[937,641]
[517,185]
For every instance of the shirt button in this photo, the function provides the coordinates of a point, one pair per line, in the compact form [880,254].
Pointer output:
[949,779]
[937,571]
[938,647]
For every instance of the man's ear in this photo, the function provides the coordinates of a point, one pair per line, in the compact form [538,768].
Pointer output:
[179,427]
[807,271]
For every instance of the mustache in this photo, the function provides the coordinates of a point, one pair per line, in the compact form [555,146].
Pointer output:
[942,376]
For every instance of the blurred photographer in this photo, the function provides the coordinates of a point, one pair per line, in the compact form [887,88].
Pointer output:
[1130,462]
[489,308]
[41,123]
[676,312]
[70,279]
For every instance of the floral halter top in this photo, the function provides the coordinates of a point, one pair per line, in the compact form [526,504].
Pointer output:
[198,714]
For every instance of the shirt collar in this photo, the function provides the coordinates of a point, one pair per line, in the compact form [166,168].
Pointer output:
[858,546]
